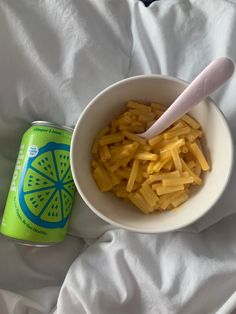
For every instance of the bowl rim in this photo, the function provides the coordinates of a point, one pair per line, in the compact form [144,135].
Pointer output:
[127,227]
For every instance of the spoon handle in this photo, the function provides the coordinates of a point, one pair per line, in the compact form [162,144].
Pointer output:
[212,77]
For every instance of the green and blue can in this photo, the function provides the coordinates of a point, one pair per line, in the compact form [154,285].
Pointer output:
[41,194]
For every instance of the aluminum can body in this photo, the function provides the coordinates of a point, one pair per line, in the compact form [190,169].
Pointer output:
[42,190]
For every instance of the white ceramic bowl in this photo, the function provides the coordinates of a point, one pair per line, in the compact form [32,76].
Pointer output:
[111,102]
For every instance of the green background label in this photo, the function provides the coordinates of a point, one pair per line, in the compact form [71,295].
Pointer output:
[42,189]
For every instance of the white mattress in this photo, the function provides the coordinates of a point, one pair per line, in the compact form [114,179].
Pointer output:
[54,57]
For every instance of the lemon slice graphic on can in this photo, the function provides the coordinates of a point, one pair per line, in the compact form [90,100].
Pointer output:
[46,188]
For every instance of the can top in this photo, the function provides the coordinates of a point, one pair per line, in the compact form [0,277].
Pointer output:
[52,124]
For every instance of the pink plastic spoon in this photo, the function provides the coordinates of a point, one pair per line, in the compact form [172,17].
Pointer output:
[212,77]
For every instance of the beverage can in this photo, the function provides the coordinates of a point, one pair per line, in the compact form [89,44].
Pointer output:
[42,190]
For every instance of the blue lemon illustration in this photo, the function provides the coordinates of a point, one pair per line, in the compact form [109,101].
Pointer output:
[46,188]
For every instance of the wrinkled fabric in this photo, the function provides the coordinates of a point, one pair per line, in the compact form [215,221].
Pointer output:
[55,56]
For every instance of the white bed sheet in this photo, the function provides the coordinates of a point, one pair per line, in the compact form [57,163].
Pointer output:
[54,57]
